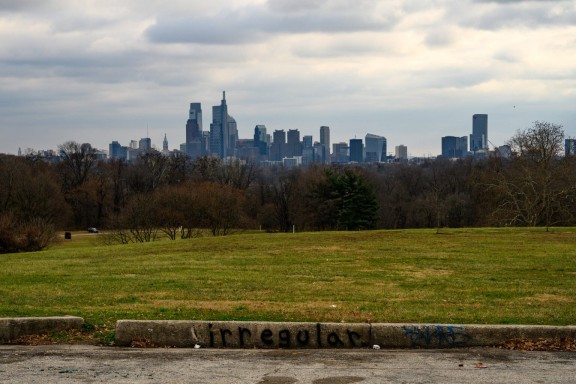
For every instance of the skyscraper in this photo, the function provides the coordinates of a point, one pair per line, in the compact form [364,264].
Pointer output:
[319,153]
[376,147]
[454,147]
[340,153]
[401,153]
[325,141]
[569,147]
[278,147]
[260,139]
[356,151]
[479,136]
[116,151]
[145,144]
[194,131]
[294,146]
[223,131]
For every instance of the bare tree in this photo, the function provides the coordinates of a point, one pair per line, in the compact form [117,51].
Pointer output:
[149,172]
[76,166]
[220,207]
[206,169]
[31,205]
[540,144]
[237,174]
[77,161]
[138,221]
[178,165]
[284,190]
[530,186]
[178,213]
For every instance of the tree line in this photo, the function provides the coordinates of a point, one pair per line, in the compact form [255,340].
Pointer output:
[179,197]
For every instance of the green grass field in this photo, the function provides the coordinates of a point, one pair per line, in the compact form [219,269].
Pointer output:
[521,276]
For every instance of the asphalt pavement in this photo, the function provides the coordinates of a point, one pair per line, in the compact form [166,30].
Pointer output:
[90,364]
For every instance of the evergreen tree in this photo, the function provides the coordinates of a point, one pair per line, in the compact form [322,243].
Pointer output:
[345,201]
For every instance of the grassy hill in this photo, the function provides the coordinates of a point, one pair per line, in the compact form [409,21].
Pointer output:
[523,276]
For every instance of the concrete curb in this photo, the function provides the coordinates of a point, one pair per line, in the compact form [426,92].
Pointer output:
[233,334]
[13,328]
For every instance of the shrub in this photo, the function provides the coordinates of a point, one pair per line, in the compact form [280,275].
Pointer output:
[34,235]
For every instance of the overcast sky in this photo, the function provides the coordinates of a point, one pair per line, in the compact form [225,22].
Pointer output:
[410,70]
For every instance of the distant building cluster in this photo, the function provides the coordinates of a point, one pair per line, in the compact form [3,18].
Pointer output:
[454,147]
[289,149]
[267,148]
[133,150]
[278,147]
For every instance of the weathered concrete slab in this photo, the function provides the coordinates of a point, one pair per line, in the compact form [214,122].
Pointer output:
[457,336]
[232,334]
[419,335]
[228,334]
[176,333]
[482,335]
[13,328]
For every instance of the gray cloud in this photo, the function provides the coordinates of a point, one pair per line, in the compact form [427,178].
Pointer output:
[506,57]
[440,37]
[25,5]
[520,1]
[450,77]
[253,24]
[524,13]
[348,6]
[64,23]
[209,30]
[295,5]
[335,49]
[77,65]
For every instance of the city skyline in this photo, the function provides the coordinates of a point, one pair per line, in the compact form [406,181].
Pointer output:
[280,145]
[212,142]
[412,72]
[194,128]
[201,142]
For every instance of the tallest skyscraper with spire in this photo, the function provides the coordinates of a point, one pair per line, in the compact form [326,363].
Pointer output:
[223,131]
